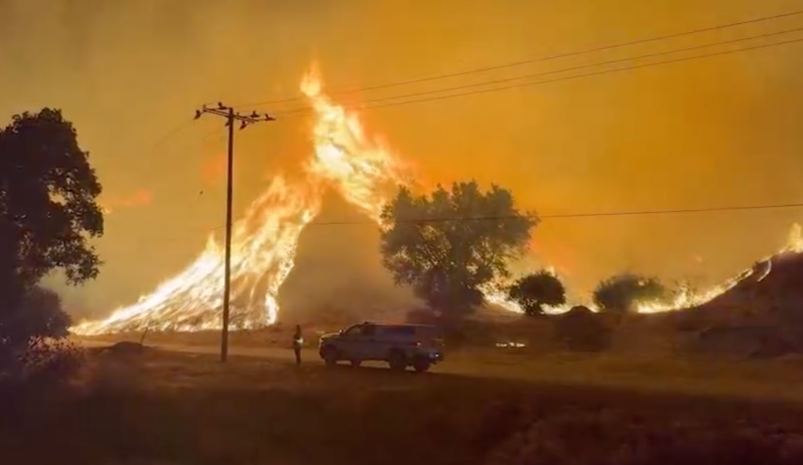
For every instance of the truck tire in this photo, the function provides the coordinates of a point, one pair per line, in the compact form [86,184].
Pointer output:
[397,360]
[329,356]
[421,365]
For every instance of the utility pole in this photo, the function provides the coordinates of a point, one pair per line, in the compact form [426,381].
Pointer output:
[245,120]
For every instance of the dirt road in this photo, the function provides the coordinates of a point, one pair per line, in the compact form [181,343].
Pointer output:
[758,380]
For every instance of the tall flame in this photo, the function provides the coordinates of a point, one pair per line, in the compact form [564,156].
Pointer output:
[360,169]
[264,241]
[263,249]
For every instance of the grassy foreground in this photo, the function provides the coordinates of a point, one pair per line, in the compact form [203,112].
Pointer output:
[167,408]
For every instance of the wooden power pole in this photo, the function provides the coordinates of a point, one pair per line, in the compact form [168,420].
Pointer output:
[245,120]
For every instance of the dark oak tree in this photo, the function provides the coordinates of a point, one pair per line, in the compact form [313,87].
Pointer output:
[446,246]
[48,214]
[536,290]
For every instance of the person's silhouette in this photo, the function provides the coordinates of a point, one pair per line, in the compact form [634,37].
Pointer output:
[298,342]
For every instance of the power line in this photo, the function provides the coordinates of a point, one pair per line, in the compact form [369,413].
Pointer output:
[536,60]
[166,137]
[603,214]
[566,78]
[675,211]
[591,214]
[554,216]
[560,216]
[169,135]
[563,70]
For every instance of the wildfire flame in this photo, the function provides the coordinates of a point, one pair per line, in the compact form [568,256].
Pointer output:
[684,297]
[264,241]
[360,169]
[263,248]
[687,298]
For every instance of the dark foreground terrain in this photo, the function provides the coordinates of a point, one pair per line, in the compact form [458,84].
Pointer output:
[161,407]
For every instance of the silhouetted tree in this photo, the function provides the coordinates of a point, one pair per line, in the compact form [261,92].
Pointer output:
[48,214]
[536,290]
[449,244]
[621,293]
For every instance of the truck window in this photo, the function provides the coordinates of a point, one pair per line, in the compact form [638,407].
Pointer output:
[355,330]
[401,330]
[368,330]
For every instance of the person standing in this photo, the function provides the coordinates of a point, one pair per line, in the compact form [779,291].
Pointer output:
[298,342]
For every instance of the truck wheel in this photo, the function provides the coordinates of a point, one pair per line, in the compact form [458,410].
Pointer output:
[329,355]
[397,360]
[421,365]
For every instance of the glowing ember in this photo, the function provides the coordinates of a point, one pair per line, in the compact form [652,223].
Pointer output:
[264,242]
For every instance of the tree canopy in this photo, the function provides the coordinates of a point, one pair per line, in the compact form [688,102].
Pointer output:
[622,292]
[536,290]
[446,246]
[48,214]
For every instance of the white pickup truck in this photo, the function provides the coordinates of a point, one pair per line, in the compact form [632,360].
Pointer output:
[400,345]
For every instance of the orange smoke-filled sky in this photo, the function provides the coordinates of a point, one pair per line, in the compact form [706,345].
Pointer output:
[720,131]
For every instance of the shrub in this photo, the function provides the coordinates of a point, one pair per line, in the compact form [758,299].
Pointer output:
[580,329]
[621,293]
[536,290]
[51,361]
[32,340]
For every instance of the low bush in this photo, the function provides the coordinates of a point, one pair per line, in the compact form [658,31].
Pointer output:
[33,344]
[580,329]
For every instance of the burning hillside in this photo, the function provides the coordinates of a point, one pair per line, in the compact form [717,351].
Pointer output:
[759,315]
[760,276]
[768,293]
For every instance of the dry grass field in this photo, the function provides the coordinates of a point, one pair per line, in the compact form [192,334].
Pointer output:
[178,405]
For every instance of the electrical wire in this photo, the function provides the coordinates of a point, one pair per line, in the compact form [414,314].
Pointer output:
[566,78]
[535,60]
[561,70]
[562,216]
[550,217]
[294,113]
